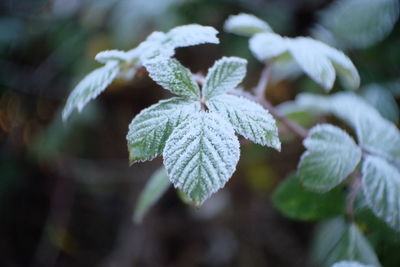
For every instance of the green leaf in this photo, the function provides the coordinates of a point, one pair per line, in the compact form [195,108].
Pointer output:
[201,155]
[224,75]
[248,119]
[153,191]
[381,187]
[337,240]
[90,87]
[150,129]
[266,46]
[295,202]
[350,264]
[330,157]
[171,75]
[360,23]
[245,24]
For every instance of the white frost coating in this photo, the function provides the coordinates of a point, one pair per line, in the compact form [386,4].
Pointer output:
[350,264]
[225,74]
[248,119]
[150,129]
[330,157]
[171,75]
[381,187]
[266,46]
[192,34]
[90,87]
[201,155]
[107,55]
[245,24]
[313,61]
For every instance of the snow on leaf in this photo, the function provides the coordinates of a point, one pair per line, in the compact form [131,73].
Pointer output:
[330,157]
[265,46]
[225,74]
[313,61]
[150,129]
[350,264]
[171,75]
[381,187]
[201,155]
[90,87]
[245,24]
[153,191]
[248,119]
[192,34]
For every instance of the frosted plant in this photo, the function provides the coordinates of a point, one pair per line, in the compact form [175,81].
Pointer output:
[195,132]
[124,64]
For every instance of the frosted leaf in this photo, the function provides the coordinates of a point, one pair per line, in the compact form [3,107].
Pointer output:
[107,55]
[224,75]
[155,188]
[313,61]
[316,59]
[374,133]
[160,44]
[344,67]
[350,264]
[330,157]
[90,87]
[248,119]
[337,240]
[192,34]
[171,75]
[201,155]
[360,23]
[266,46]
[245,24]
[381,187]
[150,129]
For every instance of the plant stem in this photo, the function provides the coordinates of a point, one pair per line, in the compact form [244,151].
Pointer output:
[355,187]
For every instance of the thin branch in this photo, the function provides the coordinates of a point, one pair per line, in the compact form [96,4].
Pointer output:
[261,87]
[355,187]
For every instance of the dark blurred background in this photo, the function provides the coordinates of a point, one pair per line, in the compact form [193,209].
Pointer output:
[67,193]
